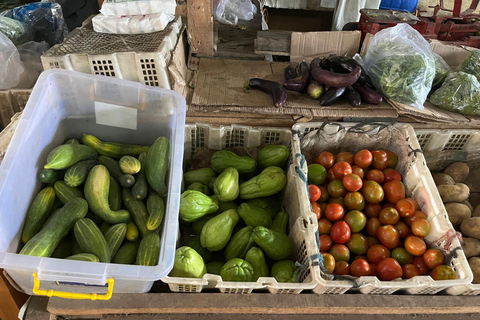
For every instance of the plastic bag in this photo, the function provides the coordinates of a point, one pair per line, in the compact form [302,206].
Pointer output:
[131,24]
[11,66]
[140,7]
[442,69]
[471,64]
[401,65]
[30,54]
[16,31]
[230,11]
[460,92]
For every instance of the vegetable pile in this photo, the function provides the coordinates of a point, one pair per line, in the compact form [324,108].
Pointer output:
[367,226]
[104,202]
[232,223]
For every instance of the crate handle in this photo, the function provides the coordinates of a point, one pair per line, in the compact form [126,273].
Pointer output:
[71,295]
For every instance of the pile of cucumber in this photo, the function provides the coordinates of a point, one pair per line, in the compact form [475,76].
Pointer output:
[103,202]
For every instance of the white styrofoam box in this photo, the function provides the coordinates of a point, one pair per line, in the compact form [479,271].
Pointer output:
[313,138]
[133,7]
[131,24]
[302,230]
[63,105]
[301,4]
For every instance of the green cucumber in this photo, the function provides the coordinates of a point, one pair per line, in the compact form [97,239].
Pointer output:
[104,226]
[66,193]
[72,141]
[127,254]
[138,211]
[130,165]
[112,166]
[77,174]
[156,210]
[149,250]
[63,250]
[156,165]
[112,149]
[67,155]
[140,189]
[38,213]
[127,180]
[115,236]
[84,257]
[91,239]
[50,175]
[90,215]
[114,195]
[132,231]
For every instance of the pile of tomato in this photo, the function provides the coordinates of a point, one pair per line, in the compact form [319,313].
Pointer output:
[367,226]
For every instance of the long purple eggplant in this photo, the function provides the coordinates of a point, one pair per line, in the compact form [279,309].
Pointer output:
[353,97]
[331,96]
[299,83]
[336,80]
[274,89]
[368,95]
[344,64]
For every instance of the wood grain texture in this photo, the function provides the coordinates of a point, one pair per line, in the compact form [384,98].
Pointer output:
[276,42]
[200,27]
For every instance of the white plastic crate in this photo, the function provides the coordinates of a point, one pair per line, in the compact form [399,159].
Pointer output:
[419,184]
[302,229]
[11,102]
[140,57]
[64,105]
[137,7]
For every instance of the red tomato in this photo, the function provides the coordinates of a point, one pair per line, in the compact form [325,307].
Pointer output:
[391,174]
[394,191]
[324,226]
[388,236]
[358,244]
[328,261]
[380,160]
[340,252]
[372,210]
[373,270]
[389,269]
[334,212]
[433,258]
[389,216]
[443,273]
[376,175]
[415,245]
[338,200]
[352,182]
[356,220]
[326,159]
[389,205]
[372,192]
[340,232]
[392,159]
[354,201]
[341,169]
[372,241]
[410,270]
[363,158]
[421,228]
[360,267]
[336,189]
[341,268]
[316,209]
[421,266]
[325,242]
[405,208]
[402,228]
[416,216]
[323,194]
[415,203]
[372,226]
[314,192]
[377,252]
[358,171]
[345,156]
[330,175]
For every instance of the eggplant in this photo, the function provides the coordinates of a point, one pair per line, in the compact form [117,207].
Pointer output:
[291,71]
[344,64]
[299,83]
[275,89]
[316,63]
[337,80]
[368,94]
[332,95]
[353,97]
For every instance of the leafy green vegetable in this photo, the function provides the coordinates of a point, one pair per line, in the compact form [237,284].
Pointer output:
[442,69]
[471,64]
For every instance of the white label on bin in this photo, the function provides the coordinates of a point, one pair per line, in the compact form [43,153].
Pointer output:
[116,116]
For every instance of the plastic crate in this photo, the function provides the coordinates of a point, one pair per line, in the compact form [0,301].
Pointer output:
[63,105]
[302,230]
[419,184]
[141,57]
[11,102]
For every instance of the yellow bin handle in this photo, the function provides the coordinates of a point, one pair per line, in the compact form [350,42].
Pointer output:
[71,295]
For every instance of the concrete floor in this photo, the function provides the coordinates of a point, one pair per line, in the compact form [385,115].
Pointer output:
[423,5]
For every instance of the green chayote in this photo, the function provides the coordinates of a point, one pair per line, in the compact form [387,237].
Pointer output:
[225,186]
[237,270]
[269,182]
[256,258]
[188,264]
[194,205]
[240,243]
[197,186]
[285,271]
[217,231]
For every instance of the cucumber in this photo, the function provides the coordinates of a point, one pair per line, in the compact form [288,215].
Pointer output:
[127,180]
[72,141]
[104,227]
[96,192]
[77,174]
[63,250]
[127,254]
[66,193]
[50,175]
[90,215]
[112,149]
[149,250]
[156,165]
[115,236]
[75,246]
[91,239]
[130,165]
[114,195]
[38,213]
[84,257]
[67,155]
[112,166]
[44,243]
[140,189]
[138,211]
[156,210]
[132,231]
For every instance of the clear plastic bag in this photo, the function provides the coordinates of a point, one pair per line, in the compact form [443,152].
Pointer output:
[471,64]
[442,69]
[11,67]
[230,11]
[16,31]
[460,92]
[30,54]
[401,65]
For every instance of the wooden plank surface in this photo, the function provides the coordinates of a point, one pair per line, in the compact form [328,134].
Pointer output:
[275,42]
[200,27]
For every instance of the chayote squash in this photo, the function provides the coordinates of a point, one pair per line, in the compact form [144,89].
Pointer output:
[240,243]
[225,186]
[201,175]
[269,204]
[224,159]
[195,244]
[198,224]
[276,245]
[215,267]
[285,271]
[194,205]
[197,186]
[217,231]
[273,155]
[256,258]
[254,216]
[224,206]
[269,182]
[280,222]
[188,264]
[237,270]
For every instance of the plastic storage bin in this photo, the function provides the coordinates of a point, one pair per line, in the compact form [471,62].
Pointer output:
[302,230]
[63,105]
[419,184]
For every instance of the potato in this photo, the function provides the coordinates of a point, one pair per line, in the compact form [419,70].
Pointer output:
[458,171]
[457,212]
[471,247]
[454,193]
[476,212]
[442,178]
[467,203]
[475,265]
[471,227]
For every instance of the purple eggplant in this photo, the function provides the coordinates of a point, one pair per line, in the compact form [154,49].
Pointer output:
[291,71]
[275,89]
[353,97]
[368,95]
[336,80]
[344,64]
[316,63]
[299,83]
[331,96]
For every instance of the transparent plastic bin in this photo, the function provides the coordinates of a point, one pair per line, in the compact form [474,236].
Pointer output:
[419,184]
[64,105]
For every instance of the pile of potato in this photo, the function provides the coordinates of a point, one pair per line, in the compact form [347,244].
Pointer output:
[455,195]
